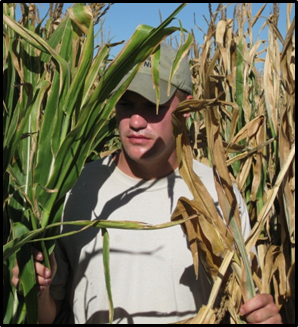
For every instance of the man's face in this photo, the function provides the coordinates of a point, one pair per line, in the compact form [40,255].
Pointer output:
[146,135]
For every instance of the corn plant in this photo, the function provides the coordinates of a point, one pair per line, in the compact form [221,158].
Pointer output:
[247,134]
[245,131]
[57,109]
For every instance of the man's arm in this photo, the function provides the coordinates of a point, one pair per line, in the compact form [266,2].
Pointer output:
[48,308]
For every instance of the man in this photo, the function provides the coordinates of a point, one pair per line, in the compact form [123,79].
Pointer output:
[152,273]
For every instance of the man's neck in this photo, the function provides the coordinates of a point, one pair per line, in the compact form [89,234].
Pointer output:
[145,169]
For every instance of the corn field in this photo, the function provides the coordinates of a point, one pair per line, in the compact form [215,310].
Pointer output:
[58,114]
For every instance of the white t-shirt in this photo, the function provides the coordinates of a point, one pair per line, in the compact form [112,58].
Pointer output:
[152,275]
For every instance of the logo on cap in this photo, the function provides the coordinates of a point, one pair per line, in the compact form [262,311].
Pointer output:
[147,63]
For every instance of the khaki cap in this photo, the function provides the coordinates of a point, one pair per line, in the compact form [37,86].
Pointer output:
[142,82]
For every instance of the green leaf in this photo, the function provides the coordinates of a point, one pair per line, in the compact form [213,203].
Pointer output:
[32,236]
[106,263]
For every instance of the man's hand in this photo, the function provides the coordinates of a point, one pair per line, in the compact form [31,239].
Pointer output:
[261,309]
[44,275]
[48,308]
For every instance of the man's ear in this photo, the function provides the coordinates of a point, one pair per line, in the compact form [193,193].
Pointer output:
[189,97]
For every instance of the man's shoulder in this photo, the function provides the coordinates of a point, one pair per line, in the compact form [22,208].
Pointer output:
[101,164]
[105,161]
[206,174]
[95,171]
[202,170]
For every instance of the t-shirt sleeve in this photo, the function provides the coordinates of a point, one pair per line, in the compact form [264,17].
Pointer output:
[244,216]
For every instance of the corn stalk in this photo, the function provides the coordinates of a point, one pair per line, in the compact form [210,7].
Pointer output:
[243,125]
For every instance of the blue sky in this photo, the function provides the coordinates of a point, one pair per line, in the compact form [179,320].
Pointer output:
[122,18]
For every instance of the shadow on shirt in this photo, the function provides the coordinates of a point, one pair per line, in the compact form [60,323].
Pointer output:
[84,197]
[121,316]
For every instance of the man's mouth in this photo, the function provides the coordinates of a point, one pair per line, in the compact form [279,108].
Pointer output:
[138,138]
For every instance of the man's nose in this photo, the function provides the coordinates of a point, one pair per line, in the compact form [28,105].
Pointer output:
[138,121]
